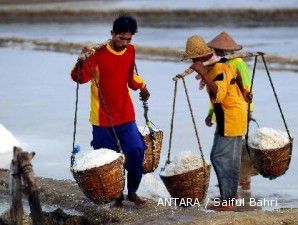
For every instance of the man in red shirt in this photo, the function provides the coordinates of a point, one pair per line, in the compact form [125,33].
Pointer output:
[110,68]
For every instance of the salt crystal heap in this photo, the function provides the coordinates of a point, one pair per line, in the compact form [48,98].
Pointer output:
[7,141]
[186,161]
[268,138]
[95,158]
[144,130]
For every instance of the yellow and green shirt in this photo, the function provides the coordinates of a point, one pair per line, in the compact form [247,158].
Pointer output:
[229,105]
[238,66]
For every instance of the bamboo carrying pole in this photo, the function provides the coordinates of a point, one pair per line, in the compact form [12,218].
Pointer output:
[213,61]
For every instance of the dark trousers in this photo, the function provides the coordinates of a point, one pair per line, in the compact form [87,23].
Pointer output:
[225,157]
[133,147]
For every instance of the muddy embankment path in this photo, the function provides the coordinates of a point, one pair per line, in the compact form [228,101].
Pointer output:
[278,63]
[66,194]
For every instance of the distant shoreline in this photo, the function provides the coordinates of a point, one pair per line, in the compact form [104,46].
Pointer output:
[158,17]
[148,53]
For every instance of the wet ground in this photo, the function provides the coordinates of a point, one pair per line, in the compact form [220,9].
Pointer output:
[66,194]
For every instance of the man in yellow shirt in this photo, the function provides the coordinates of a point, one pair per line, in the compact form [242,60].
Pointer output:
[231,117]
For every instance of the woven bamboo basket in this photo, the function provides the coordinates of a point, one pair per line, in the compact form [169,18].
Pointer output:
[271,163]
[102,184]
[152,152]
[192,184]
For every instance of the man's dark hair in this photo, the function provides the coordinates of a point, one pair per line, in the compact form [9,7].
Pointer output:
[125,23]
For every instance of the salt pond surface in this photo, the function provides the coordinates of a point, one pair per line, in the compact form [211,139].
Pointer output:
[37,106]
[272,40]
[5,205]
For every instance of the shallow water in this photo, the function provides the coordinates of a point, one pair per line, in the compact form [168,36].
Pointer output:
[37,106]
[5,205]
[168,4]
[271,40]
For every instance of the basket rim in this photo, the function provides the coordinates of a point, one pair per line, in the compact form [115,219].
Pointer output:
[208,166]
[272,149]
[154,131]
[121,157]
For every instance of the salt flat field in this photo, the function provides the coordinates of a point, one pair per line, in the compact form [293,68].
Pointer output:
[37,102]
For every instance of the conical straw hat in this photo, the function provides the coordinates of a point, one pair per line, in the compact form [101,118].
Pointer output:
[223,41]
[196,47]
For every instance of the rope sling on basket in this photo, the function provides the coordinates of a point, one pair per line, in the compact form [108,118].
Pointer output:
[153,140]
[101,184]
[270,163]
[191,184]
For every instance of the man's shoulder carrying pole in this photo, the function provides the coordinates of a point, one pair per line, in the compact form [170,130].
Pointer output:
[213,61]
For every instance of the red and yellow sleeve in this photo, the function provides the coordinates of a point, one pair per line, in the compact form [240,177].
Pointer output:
[136,82]
[83,72]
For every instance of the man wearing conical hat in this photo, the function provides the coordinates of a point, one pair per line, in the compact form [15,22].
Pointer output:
[223,44]
[231,118]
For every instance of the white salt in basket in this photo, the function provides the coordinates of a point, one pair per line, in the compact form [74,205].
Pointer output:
[270,151]
[100,175]
[187,177]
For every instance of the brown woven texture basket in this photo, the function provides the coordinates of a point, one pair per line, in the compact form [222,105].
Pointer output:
[192,184]
[271,163]
[152,154]
[102,184]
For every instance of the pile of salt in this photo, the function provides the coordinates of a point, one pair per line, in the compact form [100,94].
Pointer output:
[95,158]
[7,141]
[144,130]
[268,138]
[185,162]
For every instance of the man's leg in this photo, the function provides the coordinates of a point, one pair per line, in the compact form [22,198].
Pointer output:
[245,169]
[133,146]
[103,137]
[225,158]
